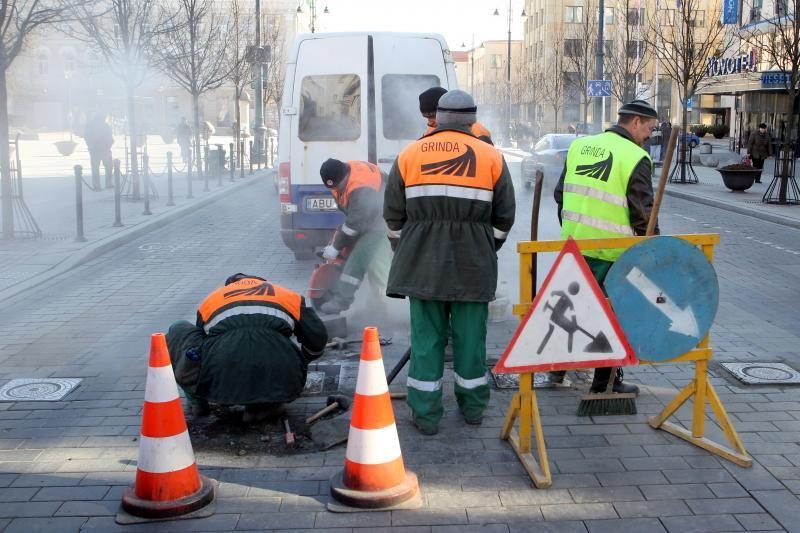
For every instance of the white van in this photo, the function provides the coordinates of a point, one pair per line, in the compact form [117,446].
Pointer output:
[348,96]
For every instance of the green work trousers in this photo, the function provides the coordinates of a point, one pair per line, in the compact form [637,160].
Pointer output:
[429,325]
[371,257]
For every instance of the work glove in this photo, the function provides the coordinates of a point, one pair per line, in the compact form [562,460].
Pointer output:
[498,243]
[393,243]
[330,253]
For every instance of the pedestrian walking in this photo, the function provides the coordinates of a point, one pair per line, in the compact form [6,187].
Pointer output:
[666,131]
[184,136]
[240,352]
[358,188]
[759,147]
[449,206]
[99,140]
[605,191]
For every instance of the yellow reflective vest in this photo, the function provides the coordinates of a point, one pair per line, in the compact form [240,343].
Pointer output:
[598,170]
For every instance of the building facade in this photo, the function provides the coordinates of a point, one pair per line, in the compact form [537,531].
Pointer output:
[487,80]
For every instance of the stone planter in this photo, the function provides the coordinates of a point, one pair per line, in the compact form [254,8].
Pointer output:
[66,147]
[739,180]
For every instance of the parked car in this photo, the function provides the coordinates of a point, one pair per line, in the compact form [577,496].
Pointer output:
[690,138]
[548,156]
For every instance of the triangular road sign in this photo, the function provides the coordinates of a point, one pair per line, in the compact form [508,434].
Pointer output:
[569,325]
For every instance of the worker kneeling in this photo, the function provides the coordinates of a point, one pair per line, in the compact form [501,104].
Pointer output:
[357,187]
[240,351]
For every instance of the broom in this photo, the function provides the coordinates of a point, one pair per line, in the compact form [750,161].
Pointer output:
[610,402]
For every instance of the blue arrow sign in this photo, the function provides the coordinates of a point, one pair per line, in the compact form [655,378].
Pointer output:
[665,294]
[597,88]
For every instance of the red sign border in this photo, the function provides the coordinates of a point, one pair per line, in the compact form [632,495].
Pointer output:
[630,357]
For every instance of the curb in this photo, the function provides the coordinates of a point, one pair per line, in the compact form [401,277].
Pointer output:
[111,242]
[775,219]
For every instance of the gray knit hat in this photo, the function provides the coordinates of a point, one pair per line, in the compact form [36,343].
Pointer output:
[638,107]
[457,108]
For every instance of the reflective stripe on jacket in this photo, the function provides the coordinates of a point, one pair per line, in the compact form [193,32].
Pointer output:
[598,169]
[249,296]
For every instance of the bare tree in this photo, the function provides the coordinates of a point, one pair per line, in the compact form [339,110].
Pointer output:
[685,43]
[240,58]
[580,49]
[19,19]
[777,39]
[124,32]
[273,36]
[193,53]
[627,53]
[554,79]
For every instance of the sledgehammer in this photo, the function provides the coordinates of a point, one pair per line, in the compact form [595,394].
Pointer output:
[333,402]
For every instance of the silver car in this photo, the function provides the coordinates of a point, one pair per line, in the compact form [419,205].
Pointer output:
[548,155]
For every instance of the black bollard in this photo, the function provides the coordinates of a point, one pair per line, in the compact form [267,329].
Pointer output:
[146,177]
[189,163]
[117,196]
[205,187]
[232,159]
[241,159]
[79,203]
[251,158]
[170,200]
[220,164]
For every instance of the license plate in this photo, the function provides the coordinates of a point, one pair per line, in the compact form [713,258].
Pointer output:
[321,204]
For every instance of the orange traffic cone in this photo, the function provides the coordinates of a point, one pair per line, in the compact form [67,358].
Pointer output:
[374,476]
[167,481]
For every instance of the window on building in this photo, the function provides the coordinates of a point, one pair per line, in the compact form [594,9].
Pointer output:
[43,61]
[608,47]
[573,47]
[573,14]
[68,60]
[755,10]
[330,108]
[698,19]
[496,61]
[401,106]
[635,48]
[609,16]
[666,17]
[636,17]
[781,8]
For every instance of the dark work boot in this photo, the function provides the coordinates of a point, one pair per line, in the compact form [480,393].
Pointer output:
[600,382]
[556,377]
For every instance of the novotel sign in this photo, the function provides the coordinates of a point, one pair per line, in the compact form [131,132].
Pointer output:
[723,66]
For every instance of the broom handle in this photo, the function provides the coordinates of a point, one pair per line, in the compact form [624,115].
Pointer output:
[651,223]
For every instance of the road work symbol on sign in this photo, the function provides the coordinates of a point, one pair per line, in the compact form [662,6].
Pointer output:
[569,324]
[665,293]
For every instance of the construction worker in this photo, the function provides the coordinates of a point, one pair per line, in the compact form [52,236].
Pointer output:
[605,190]
[357,187]
[449,206]
[240,351]
[428,101]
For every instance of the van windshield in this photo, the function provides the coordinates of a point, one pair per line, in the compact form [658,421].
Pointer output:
[330,108]
[401,117]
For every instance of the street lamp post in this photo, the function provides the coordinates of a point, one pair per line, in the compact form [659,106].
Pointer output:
[599,103]
[313,13]
[260,129]
[508,76]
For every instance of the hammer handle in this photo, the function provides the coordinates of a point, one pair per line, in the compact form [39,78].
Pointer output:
[322,412]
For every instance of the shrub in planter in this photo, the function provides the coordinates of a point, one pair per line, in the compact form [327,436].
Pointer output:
[720,130]
[700,130]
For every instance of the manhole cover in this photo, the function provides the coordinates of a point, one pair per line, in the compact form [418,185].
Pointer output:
[322,379]
[763,373]
[37,390]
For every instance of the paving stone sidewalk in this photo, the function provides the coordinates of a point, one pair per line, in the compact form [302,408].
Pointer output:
[64,465]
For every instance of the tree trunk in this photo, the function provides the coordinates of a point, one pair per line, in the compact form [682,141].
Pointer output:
[555,118]
[196,117]
[5,163]
[683,145]
[130,93]
[237,133]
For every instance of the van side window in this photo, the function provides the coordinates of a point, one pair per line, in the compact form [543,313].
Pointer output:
[330,108]
[400,97]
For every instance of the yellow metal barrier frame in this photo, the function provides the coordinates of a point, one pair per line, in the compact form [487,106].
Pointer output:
[525,407]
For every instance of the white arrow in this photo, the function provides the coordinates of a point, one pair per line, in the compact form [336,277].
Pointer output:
[683,320]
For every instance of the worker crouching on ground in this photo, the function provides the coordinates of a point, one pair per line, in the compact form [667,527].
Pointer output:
[357,187]
[240,351]
[429,99]
[605,191]
[449,206]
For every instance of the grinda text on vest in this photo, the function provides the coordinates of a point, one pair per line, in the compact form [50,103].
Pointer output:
[440,146]
[594,151]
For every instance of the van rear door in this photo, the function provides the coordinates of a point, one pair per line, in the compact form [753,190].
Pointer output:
[404,67]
